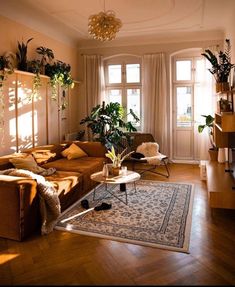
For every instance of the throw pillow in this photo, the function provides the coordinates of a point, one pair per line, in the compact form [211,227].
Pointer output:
[27,163]
[43,156]
[73,152]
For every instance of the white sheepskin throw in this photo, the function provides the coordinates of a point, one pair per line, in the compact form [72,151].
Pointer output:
[151,152]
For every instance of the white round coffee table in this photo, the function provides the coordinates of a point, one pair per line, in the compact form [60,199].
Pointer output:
[129,177]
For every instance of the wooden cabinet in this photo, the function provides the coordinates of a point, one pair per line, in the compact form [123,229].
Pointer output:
[220,183]
[220,186]
[224,130]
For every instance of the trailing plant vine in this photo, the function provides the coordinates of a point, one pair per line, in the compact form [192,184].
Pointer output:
[34,67]
[6,68]
[59,73]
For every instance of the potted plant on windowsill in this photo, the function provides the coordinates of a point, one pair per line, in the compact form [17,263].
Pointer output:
[213,151]
[221,66]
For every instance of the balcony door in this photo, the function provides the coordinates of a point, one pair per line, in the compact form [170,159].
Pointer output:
[188,93]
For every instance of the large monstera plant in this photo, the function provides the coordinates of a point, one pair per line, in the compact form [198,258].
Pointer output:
[108,126]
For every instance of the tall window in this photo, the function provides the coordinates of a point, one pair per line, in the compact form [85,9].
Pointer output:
[123,84]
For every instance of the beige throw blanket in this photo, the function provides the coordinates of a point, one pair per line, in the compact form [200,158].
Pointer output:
[49,200]
[151,152]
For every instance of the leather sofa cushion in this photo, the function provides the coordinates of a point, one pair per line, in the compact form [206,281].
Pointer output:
[84,165]
[93,149]
[76,165]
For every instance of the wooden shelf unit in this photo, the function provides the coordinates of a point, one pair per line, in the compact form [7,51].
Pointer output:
[220,186]
[224,130]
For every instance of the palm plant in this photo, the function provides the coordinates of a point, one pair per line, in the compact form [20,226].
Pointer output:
[21,55]
[108,126]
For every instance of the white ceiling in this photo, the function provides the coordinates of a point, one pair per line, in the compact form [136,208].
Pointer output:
[154,20]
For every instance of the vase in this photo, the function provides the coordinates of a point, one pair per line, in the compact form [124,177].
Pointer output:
[222,87]
[115,170]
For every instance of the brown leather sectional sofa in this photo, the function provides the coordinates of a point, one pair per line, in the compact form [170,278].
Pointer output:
[19,200]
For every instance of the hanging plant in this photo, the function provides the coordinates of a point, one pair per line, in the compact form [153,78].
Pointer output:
[46,57]
[59,73]
[21,55]
[6,68]
[34,67]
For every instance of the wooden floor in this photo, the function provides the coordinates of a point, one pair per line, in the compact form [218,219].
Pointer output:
[63,258]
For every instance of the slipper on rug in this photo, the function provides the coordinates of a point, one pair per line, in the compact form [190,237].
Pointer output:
[103,206]
[85,203]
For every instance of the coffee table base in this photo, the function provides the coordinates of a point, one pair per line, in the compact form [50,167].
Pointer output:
[122,188]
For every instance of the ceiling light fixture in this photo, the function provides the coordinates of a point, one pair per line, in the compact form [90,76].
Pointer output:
[104,26]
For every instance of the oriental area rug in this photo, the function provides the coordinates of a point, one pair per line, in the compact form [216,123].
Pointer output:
[158,214]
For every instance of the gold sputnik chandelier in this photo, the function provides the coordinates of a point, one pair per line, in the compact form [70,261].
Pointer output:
[104,26]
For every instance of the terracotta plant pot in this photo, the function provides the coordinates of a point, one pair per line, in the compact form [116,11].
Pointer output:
[213,154]
[115,171]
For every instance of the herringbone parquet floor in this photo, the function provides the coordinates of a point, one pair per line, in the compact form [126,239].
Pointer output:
[63,258]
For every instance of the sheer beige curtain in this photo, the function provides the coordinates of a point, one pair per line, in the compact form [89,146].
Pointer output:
[94,85]
[204,104]
[93,81]
[154,98]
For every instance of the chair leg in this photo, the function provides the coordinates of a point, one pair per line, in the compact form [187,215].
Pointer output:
[166,167]
[152,169]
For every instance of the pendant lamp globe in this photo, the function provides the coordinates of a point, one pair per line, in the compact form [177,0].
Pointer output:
[104,26]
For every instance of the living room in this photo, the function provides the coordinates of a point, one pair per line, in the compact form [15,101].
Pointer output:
[173,34]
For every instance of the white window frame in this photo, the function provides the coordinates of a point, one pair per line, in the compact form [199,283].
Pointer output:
[123,60]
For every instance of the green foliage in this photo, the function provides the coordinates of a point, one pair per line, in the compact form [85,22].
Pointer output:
[47,56]
[107,124]
[59,73]
[208,124]
[221,65]
[21,55]
[6,66]
[209,120]
[118,158]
